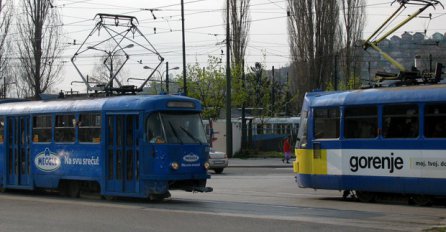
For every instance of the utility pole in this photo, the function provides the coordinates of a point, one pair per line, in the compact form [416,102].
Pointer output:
[335,84]
[244,135]
[111,74]
[167,78]
[430,63]
[273,94]
[228,87]
[287,95]
[184,49]
[4,87]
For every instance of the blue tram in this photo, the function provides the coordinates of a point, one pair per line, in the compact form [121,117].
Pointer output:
[135,146]
[374,141]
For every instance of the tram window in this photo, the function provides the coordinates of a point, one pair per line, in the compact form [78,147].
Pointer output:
[268,128]
[2,129]
[260,129]
[400,121]
[183,128]
[90,128]
[361,122]
[302,133]
[42,127]
[435,121]
[326,123]
[154,129]
[64,130]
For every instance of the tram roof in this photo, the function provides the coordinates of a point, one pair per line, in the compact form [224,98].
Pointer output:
[118,103]
[411,94]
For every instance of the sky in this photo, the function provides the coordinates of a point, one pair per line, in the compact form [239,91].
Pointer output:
[205,32]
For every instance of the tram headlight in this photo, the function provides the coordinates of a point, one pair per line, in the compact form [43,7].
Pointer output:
[174,165]
[206,165]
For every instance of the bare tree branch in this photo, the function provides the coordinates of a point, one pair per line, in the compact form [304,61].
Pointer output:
[6,12]
[313,38]
[353,20]
[39,45]
[240,25]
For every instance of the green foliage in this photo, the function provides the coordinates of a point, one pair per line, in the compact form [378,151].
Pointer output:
[254,88]
[208,84]
[353,83]
[239,93]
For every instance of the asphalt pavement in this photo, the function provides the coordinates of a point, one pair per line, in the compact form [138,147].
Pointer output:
[259,162]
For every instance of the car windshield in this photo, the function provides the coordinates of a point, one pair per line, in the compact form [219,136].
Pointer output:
[177,128]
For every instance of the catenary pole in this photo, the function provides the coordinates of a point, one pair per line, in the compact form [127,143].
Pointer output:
[228,87]
[184,49]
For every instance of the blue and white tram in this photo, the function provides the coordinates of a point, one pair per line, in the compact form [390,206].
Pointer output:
[134,146]
[390,140]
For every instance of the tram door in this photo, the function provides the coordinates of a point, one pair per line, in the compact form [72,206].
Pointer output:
[18,164]
[122,164]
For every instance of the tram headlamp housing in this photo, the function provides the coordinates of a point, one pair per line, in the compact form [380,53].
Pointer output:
[206,165]
[175,166]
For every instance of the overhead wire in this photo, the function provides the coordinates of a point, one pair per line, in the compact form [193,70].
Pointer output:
[195,30]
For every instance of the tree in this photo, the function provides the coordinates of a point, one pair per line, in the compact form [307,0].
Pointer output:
[313,27]
[240,25]
[6,11]
[102,73]
[39,45]
[239,20]
[258,88]
[353,20]
[239,28]
[208,85]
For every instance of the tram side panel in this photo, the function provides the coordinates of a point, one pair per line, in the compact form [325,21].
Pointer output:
[414,165]
[377,170]
[52,163]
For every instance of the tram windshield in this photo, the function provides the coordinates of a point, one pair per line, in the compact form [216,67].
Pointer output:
[175,128]
[302,133]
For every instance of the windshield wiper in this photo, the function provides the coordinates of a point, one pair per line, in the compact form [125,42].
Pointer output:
[191,136]
[175,132]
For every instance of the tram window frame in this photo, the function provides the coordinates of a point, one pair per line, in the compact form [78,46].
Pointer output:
[89,127]
[361,122]
[65,128]
[398,121]
[326,117]
[435,121]
[154,129]
[302,135]
[41,127]
[2,129]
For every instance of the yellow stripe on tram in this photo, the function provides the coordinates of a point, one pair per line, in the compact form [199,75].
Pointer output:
[309,162]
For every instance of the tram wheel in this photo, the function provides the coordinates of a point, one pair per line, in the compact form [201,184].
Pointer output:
[74,189]
[365,196]
[421,200]
[63,189]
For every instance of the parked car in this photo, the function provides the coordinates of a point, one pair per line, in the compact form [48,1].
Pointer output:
[218,161]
